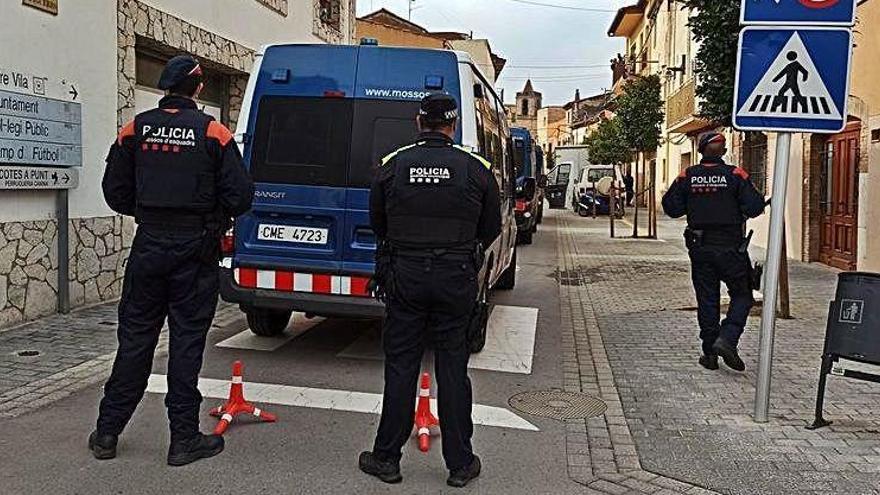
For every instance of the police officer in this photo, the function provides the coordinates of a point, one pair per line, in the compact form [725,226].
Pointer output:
[717,199]
[432,204]
[180,174]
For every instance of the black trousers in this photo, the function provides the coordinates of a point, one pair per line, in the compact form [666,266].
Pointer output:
[168,275]
[711,265]
[431,307]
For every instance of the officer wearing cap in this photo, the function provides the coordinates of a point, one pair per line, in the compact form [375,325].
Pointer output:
[718,199]
[433,205]
[180,175]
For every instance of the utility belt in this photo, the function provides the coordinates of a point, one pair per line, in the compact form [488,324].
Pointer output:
[382,285]
[172,220]
[713,237]
[211,226]
[452,254]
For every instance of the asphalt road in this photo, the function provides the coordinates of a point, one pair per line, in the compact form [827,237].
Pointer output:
[310,449]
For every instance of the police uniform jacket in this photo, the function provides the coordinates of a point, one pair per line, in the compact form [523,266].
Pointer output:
[715,196]
[434,194]
[175,165]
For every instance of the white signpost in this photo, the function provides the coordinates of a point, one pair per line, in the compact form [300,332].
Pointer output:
[792,75]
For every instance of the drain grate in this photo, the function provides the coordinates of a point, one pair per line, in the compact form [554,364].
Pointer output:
[557,404]
[27,353]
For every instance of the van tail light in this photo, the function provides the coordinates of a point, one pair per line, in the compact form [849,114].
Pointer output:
[334,94]
[227,242]
[522,205]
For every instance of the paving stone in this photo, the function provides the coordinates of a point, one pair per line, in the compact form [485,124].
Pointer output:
[628,307]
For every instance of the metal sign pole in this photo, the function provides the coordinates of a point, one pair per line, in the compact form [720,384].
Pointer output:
[771,275]
[63,251]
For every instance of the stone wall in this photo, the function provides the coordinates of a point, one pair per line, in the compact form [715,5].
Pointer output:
[29,265]
[136,19]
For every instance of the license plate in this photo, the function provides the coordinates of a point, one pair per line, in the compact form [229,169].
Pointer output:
[288,233]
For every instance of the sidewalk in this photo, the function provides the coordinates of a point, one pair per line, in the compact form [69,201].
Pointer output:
[630,302]
[73,352]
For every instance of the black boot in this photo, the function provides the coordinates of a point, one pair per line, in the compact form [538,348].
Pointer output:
[729,354]
[387,471]
[710,362]
[201,446]
[461,477]
[103,446]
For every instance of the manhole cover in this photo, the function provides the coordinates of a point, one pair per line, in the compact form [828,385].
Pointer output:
[557,404]
[27,353]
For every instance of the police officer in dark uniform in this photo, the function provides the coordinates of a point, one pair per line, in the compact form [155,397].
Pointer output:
[718,199]
[180,174]
[433,205]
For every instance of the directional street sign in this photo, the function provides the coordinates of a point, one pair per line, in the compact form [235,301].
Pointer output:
[800,12]
[793,79]
[13,177]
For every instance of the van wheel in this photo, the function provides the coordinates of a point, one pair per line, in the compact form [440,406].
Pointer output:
[524,237]
[267,322]
[508,277]
[541,214]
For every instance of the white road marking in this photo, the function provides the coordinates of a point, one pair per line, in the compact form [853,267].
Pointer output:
[510,342]
[335,400]
[247,340]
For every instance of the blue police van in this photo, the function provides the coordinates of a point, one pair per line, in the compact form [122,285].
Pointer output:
[316,122]
[528,159]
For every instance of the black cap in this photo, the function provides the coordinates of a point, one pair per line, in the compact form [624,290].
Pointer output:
[177,70]
[439,107]
[712,137]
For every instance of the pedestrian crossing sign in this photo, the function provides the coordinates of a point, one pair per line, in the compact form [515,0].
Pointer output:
[793,79]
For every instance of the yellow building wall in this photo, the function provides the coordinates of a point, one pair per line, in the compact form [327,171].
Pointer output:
[866,70]
[390,36]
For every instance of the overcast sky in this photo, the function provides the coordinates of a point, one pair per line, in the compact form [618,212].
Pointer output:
[528,36]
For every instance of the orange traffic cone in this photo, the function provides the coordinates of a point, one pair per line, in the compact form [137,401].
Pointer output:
[236,404]
[424,418]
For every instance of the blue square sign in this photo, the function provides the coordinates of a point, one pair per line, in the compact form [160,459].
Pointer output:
[800,12]
[792,79]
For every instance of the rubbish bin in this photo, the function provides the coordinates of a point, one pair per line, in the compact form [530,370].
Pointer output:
[854,318]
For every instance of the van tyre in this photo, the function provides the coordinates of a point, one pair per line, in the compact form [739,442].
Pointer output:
[508,277]
[479,327]
[524,237]
[267,322]
[541,213]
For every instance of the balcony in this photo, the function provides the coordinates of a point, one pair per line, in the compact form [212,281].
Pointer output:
[681,109]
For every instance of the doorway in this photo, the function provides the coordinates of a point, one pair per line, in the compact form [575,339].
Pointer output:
[839,199]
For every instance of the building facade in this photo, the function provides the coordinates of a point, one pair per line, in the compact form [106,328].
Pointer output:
[830,212]
[524,113]
[113,71]
[389,29]
[553,128]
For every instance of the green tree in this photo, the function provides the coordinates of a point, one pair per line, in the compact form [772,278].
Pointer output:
[606,144]
[715,27]
[640,112]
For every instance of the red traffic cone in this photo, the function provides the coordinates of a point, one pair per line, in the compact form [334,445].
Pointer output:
[424,418]
[236,404]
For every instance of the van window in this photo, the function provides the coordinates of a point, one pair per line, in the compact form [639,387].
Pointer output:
[328,141]
[302,141]
[519,151]
[597,174]
[379,128]
[560,174]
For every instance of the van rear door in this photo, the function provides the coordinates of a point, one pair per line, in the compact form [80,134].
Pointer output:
[299,135]
[390,85]
[379,128]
